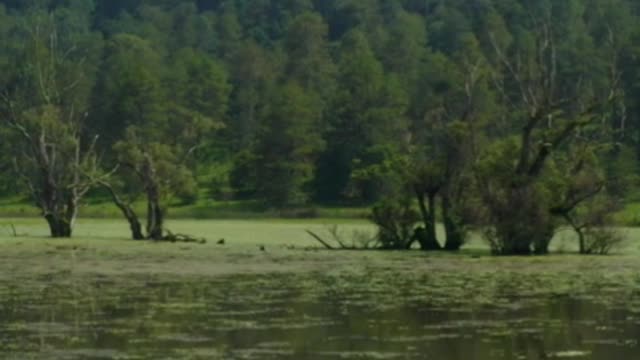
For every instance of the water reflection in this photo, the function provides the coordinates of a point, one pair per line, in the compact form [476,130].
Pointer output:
[311,316]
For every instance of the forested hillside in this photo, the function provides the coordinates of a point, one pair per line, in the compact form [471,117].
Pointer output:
[471,106]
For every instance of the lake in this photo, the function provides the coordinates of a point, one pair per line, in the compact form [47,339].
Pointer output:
[309,316]
[100,298]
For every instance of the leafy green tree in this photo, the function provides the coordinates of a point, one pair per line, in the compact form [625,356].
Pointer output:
[229,31]
[367,118]
[289,137]
[202,91]
[286,148]
[309,62]
[405,48]
[129,91]
[130,98]
[160,133]
[253,71]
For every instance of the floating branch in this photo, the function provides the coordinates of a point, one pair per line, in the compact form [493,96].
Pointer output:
[171,237]
[320,240]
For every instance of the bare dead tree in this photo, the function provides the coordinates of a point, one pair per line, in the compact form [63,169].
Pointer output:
[529,85]
[52,151]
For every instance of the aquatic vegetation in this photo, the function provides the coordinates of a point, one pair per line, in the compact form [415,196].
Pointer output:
[103,298]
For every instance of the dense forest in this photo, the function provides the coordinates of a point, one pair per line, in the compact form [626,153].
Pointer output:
[520,116]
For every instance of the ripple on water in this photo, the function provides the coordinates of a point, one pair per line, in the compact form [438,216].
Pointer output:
[350,315]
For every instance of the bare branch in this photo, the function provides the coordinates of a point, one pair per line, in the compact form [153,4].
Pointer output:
[320,240]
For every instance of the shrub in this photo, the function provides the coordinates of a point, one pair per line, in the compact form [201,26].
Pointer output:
[601,241]
[395,221]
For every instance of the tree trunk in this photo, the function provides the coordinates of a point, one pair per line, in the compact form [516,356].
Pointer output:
[58,226]
[454,230]
[543,240]
[582,242]
[432,237]
[59,218]
[127,212]
[155,215]
[523,225]
[429,239]
[155,220]
[134,223]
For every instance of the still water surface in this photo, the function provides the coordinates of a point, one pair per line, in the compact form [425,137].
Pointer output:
[307,316]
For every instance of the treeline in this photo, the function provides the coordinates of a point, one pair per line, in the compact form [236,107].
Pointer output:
[515,116]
